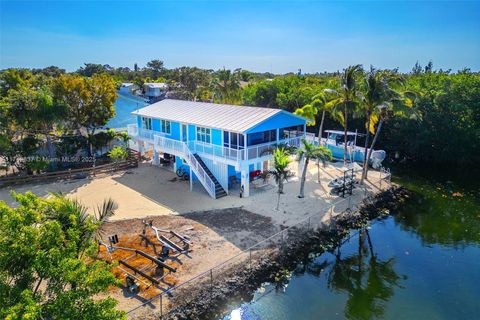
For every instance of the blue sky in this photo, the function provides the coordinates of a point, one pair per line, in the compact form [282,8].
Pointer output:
[276,36]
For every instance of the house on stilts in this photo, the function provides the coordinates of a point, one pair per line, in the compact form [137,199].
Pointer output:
[216,144]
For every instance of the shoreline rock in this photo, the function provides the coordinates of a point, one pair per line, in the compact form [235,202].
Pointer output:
[209,299]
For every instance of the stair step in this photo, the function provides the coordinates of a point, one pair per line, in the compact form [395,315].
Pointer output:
[221,195]
[219,191]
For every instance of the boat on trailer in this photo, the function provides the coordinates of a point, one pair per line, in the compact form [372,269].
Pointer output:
[335,141]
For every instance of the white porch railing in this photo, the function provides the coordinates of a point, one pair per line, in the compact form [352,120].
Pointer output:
[180,148]
[265,149]
[144,134]
[235,155]
[132,130]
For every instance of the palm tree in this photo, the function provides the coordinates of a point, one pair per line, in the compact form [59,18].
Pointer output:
[73,212]
[345,99]
[280,170]
[311,110]
[399,105]
[309,151]
[226,86]
[378,92]
[322,155]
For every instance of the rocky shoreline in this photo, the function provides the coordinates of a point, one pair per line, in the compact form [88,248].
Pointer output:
[208,300]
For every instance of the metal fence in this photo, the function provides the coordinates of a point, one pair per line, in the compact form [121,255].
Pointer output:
[256,253]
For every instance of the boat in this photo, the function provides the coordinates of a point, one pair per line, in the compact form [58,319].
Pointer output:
[335,142]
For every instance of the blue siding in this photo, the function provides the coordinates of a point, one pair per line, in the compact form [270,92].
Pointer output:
[174,128]
[155,124]
[174,131]
[139,121]
[233,172]
[192,135]
[280,120]
[217,137]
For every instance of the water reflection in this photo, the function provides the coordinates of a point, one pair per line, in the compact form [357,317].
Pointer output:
[368,280]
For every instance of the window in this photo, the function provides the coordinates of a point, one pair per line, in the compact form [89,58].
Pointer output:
[233,140]
[291,132]
[147,123]
[203,134]
[262,137]
[226,139]
[165,126]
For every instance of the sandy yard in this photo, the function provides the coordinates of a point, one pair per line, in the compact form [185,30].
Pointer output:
[149,190]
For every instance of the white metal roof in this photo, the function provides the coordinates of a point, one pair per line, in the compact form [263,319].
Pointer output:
[221,116]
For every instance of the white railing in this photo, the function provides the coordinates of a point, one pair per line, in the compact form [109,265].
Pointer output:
[266,149]
[146,134]
[236,155]
[168,145]
[201,174]
[181,148]
[132,130]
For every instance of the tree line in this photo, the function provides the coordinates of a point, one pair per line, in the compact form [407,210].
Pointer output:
[440,104]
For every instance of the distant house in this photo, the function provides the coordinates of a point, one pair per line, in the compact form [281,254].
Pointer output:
[155,90]
[128,88]
[216,144]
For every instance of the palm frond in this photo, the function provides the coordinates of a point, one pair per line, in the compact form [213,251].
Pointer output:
[105,211]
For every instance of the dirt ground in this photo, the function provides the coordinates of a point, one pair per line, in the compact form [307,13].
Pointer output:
[216,236]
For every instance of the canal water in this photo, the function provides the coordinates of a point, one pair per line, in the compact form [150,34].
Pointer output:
[421,263]
[124,105]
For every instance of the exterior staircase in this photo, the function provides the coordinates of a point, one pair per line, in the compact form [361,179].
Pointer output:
[219,191]
[196,164]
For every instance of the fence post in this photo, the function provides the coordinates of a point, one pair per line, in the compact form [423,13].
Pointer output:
[250,259]
[380,179]
[161,306]
[308,228]
[211,283]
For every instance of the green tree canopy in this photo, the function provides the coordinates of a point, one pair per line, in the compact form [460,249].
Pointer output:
[89,102]
[47,265]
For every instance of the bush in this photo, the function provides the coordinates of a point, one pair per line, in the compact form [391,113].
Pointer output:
[118,154]
[37,165]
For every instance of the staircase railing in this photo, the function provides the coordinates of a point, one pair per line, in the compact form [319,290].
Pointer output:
[180,147]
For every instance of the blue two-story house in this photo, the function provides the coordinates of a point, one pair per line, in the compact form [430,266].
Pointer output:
[215,143]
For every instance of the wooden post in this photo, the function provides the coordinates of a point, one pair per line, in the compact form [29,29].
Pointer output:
[161,306]
[211,283]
